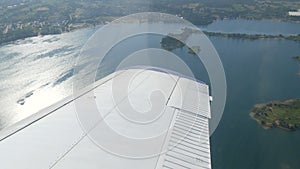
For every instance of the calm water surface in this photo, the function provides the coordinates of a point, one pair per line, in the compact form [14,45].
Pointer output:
[253,27]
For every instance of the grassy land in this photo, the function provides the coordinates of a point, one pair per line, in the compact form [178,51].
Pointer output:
[297,58]
[254,36]
[278,114]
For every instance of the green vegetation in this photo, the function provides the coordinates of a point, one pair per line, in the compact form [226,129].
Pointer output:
[25,18]
[194,50]
[297,58]
[171,43]
[243,36]
[294,37]
[177,41]
[253,37]
[278,114]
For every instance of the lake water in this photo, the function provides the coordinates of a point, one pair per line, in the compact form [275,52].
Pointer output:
[37,72]
[257,71]
[253,27]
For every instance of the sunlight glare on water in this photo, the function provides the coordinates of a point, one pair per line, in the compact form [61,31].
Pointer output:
[37,72]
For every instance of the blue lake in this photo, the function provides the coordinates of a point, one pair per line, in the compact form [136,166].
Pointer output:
[253,27]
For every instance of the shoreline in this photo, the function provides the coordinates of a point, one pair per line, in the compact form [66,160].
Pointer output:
[284,115]
[73,30]
[251,114]
[291,37]
[297,58]
[208,33]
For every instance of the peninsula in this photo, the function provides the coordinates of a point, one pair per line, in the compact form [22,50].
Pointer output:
[177,41]
[292,37]
[278,114]
[171,43]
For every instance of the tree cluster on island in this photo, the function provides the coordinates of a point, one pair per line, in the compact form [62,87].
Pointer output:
[292,37]
[278,114]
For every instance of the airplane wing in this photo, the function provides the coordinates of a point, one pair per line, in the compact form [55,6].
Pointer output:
[65,135]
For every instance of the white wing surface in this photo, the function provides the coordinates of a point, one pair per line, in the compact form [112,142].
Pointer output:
[157,112]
